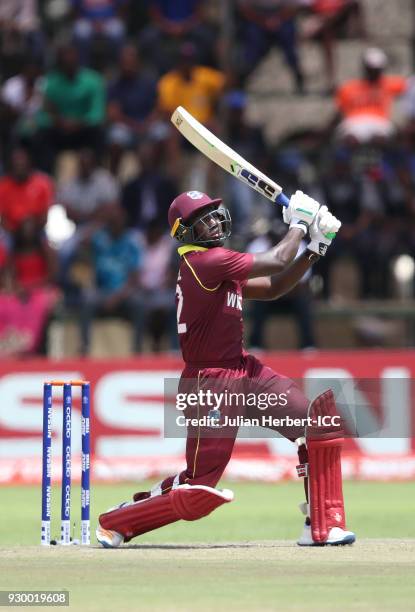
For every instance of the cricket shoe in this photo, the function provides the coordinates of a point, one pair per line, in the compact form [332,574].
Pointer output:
[336,537]
[107,537]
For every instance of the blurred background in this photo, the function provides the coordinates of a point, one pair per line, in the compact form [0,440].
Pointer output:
[319,94]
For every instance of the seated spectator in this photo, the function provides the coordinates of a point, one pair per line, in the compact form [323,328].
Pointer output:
[158,282]
[24,193]
[148,195]
[74,109]
[263,25]
[116,260]
[20,34]
[29,295]
[89,191]
[98,19]
[198,89]
[356,199]
[85,199]
[195,87]
[20,102]
[329,20]
[250,143]
[365,105]
[132,100]
[297,302]
[392,227]
[171,24]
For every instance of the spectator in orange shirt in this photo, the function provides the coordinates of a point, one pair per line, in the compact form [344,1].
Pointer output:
[197,88]
[365,105]
[24,193]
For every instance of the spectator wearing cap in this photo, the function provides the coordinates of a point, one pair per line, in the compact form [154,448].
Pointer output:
[365,105]
[73,110]
[131,106]
[98,19]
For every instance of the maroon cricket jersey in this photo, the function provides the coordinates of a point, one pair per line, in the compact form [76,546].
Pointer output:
[209,305]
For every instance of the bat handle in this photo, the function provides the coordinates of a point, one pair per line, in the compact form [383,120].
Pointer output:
[282,200]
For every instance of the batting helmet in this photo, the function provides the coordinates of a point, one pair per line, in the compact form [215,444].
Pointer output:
[195,218]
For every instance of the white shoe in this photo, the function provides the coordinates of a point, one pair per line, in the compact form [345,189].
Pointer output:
[108,538]
[337,537]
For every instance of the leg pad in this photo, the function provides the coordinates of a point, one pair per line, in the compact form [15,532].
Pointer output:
[186,502]
[324,444]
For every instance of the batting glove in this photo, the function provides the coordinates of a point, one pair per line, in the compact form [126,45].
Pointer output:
[301,211]
[323,231]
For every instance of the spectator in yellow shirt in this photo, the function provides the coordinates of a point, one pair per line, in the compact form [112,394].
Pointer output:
[195,87]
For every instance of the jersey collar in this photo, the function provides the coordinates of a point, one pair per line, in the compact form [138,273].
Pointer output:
[188,248]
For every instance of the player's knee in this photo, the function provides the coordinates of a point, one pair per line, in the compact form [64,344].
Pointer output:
[209,475]
[207,480]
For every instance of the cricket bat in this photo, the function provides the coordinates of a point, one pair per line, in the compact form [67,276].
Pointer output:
[225,157]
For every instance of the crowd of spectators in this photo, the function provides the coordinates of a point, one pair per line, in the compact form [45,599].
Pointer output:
[101,84]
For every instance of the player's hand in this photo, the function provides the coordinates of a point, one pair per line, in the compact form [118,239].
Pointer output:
[323,231]
[301,211]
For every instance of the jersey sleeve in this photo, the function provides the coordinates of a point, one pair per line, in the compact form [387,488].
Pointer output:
[396,85]
[223,264]
[213,80]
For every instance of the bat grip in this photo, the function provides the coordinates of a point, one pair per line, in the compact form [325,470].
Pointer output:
[282,200]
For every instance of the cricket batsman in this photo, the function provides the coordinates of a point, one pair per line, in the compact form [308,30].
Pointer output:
[212,283]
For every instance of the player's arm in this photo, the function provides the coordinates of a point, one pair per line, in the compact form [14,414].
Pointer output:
[273,287]
[279,257]
[299,215]
[322,232]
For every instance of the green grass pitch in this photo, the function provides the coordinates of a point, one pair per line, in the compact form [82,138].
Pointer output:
[241,557]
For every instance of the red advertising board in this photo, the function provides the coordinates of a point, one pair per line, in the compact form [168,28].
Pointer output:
[127,415]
